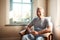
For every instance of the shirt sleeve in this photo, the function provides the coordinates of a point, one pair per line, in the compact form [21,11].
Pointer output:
[32,22]
[46,23]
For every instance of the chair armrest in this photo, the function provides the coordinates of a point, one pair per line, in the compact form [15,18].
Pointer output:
[47,34]
[22,32]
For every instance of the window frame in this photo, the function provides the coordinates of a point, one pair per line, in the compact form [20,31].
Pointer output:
[23,23]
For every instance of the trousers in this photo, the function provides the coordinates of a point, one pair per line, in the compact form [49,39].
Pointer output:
[31,37]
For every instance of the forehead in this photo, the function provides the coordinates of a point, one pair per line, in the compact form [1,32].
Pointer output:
[41,9]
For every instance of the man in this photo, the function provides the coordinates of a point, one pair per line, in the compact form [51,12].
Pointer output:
[41,26]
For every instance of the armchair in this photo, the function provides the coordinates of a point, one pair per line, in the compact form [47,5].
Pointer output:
[48,36]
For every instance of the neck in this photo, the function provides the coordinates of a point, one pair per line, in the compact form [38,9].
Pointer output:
[41,16]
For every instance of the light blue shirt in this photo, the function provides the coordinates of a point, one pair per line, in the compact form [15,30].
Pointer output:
[39,24]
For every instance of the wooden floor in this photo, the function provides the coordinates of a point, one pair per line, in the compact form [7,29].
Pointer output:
[12,38]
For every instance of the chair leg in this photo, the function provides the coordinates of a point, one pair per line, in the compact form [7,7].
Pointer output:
[45,38]
[51,37]
[20,37]
[48,38]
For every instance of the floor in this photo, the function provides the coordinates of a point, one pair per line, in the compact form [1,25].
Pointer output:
[12,38]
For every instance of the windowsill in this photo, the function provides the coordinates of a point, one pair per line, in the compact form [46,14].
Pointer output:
[19,24]
[16,25]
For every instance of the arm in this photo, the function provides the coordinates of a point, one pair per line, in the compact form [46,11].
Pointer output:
[47,30]
[29,28]
[30,25]
[31,31]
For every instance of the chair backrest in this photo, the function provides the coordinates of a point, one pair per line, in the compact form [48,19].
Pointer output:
[50,22]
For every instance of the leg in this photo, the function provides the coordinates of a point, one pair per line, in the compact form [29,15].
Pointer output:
[25,37]
[40,38]
[28,37]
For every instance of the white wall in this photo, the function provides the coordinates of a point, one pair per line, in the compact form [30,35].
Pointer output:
[52,9]
[58,12]
[2,12]
[54,12]
[38,3]
[57,28]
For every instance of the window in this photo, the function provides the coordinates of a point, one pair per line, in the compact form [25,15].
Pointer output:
[20,12]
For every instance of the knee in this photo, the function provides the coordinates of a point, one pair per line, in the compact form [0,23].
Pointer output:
[28,37]
[40,38]
[25,36]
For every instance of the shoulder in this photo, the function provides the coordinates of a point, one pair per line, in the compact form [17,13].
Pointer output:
[45,19]
[35,18]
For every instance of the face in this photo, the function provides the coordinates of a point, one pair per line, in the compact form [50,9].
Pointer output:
[38,12]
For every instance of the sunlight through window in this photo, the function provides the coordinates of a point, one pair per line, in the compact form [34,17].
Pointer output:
[21,11]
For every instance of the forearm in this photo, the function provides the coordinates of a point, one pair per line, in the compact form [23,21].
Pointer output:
[32,31]
[28,29]
[44,31]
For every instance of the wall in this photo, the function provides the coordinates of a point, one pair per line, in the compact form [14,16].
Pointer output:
[2,10]
[57,28]
[52,9]
[8,32]
[54,12]
[38,3]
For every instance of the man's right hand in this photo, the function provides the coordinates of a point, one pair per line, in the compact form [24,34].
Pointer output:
[34,33]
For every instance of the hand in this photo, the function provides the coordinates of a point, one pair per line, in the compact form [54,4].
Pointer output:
[34,33]
[39,32]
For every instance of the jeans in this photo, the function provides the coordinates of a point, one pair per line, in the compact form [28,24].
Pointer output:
[31,37]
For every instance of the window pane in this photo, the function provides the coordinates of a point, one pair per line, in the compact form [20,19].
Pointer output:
[26,1]
[20,13]
[26,12]
[15,14]
[16,0]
